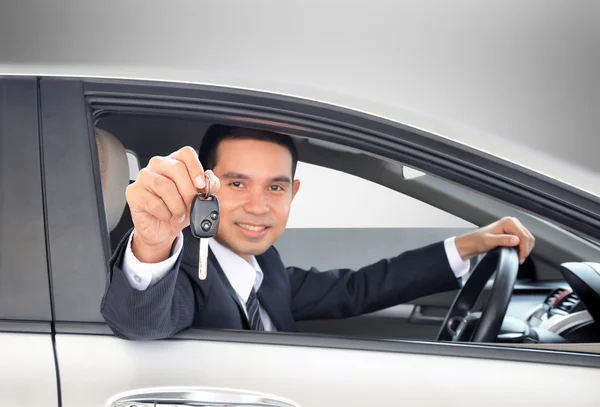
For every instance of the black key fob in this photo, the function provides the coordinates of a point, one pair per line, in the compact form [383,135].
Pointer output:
[204,216]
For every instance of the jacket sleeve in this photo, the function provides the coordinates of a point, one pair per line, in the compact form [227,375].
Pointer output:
[342,293]
[160,311]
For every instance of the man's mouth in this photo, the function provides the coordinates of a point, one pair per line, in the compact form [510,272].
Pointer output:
[252,227]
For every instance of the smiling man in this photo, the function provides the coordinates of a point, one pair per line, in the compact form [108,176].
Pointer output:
[153,289]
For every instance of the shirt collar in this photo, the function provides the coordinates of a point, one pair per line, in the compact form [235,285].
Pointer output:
[242,274]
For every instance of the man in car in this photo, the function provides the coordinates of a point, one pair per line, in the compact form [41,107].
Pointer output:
[153,289]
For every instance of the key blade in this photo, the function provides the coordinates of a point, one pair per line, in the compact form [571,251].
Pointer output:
[203,259]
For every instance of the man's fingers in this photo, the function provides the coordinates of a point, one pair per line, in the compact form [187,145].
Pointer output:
[531,240]
[507,232]
[187,155]
[196,172]
[146,201]
[215,183]
[513,226]
[178,172]
[526,238]
[502,240]
[171,184]
[165,189]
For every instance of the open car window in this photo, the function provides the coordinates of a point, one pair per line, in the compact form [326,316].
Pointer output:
[342,219]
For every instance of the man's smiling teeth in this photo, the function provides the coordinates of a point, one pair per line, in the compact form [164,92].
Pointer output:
[251,227]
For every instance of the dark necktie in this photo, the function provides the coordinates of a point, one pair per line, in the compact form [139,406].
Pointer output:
[253,312]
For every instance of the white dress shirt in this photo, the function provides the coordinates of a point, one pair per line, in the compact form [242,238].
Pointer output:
[242,274]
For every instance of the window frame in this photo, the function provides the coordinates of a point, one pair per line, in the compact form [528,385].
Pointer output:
[70,108]
[527,189]
[72,213]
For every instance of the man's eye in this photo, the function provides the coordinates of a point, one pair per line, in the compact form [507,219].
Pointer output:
[236,184]
[276,188]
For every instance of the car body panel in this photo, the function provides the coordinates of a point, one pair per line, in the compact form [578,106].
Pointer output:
[314,376]
[27,371]
[304,372]
[517,81]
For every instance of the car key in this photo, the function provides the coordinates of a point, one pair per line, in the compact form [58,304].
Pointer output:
[204,223]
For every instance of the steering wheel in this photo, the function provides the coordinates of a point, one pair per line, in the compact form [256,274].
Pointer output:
[462,323]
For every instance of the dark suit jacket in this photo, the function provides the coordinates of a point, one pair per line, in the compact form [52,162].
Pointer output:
[180,300]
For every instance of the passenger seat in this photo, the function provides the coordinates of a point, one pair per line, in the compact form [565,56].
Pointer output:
[114,174]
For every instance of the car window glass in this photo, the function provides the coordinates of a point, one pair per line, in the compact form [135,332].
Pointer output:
[134,165]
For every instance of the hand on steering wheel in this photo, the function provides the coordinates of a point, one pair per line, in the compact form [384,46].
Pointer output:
[462,323]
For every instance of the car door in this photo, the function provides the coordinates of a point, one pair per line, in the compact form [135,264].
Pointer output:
[235,367]
[27,365]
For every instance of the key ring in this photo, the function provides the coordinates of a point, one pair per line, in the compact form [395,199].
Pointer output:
[208,188]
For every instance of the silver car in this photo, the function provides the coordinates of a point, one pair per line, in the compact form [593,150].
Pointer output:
[415,121]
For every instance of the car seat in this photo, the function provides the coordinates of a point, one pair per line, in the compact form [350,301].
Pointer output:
[114,175]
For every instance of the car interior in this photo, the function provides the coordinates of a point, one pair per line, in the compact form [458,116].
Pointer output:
[554,297]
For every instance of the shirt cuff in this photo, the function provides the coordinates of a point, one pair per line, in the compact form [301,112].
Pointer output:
[459,266]
[143,275]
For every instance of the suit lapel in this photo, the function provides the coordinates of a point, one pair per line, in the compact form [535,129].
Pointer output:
[212,261]
[270,297]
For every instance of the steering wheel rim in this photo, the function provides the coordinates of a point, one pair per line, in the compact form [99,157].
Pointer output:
[504,263]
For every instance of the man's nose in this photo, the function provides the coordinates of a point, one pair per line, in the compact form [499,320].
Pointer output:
[256,203]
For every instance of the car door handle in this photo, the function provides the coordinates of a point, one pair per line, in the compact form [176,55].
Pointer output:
[195,396]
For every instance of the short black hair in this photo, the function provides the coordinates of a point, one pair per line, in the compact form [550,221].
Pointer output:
[219,132]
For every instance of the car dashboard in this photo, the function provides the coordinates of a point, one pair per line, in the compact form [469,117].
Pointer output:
[569,313]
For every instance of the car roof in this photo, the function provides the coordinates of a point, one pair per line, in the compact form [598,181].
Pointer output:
[519,83]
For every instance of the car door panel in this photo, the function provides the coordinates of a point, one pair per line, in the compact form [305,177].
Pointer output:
[311,376]
[27,370]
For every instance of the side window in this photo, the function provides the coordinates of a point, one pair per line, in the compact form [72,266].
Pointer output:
[134,165]
[341,220]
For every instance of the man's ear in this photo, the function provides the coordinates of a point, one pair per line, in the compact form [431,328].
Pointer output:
[295,187]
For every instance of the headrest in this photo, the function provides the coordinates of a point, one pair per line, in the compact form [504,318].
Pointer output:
[114,173]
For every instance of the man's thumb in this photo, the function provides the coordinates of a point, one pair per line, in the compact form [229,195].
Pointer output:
[504,240]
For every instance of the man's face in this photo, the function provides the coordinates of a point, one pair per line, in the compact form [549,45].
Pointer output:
[255,195]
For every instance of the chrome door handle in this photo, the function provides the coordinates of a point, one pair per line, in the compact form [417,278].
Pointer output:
[195,396]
